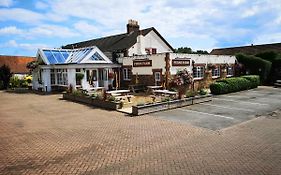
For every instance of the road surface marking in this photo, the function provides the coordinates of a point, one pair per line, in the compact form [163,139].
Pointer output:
[240,109]
[221,116]
[241,101]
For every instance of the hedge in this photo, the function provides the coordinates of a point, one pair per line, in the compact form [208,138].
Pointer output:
[255,65]
[234,84]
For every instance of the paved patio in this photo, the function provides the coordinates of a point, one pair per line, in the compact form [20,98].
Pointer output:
[46,135]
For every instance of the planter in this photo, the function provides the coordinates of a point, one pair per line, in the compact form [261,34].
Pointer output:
[149,108]
[201,99]
[92,102]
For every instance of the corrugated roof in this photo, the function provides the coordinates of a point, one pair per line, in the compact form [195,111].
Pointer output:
[118,42]
[17,64]
[251,50]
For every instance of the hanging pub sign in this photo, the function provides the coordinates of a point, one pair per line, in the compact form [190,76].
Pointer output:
[142,63]
[181,62]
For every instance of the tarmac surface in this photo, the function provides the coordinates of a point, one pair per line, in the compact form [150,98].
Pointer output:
[227,110]
[46,135]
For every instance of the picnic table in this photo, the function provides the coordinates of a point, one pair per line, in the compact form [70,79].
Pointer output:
[136,87]
[151,89]
[165,93]
[92,90]
[120,94]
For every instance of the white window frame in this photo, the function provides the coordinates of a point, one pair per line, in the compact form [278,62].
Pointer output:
[127,74]
[216,72]
[227,71]
[157,76]
[199,72]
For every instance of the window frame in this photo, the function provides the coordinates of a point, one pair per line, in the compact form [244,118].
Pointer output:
[216,72]
[199,73]
[127,73]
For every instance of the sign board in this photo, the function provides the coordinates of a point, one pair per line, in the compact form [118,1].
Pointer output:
[181,62]
[142,63]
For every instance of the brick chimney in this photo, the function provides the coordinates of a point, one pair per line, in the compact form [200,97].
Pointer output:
[132,26]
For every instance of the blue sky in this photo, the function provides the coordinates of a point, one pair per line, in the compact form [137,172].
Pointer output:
[26,25]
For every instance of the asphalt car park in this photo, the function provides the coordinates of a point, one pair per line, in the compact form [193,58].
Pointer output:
[227,110]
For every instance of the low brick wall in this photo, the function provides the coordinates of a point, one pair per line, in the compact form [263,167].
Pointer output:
[150,108]
[93,102]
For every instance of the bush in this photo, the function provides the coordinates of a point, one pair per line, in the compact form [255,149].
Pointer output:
[234,84]
[255,65]
[5,75]
[203,92]
[14,82]
[254,79]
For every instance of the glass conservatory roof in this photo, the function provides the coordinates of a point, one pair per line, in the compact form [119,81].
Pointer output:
[64,56]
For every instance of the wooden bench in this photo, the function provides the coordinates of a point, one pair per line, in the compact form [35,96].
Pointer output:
[137,88]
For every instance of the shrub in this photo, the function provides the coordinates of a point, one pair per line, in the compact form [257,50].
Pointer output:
[14,82]
[5,75]
[234,84]
[219,88]
[254,79]
[203,92]
[255,65]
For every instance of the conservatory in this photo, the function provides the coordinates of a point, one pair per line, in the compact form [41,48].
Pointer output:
[79,68]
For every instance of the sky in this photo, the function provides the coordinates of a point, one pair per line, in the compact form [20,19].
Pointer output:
[26,25]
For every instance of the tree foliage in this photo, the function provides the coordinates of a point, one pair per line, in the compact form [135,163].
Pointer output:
[190,51]
[5,75]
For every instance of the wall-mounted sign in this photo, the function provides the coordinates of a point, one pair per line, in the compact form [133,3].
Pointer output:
[142,63]
[180,62]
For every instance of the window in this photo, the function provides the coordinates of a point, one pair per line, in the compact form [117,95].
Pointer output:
[150,51]
[216,72]
[229,71]
[127,74]
[154,50]
[198,72]
[53,77]
[62,76]
[157,76]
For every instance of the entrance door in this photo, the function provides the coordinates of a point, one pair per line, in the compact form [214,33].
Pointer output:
[157,75]
[101,77]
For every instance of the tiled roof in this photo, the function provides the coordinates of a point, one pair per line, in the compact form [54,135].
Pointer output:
[118,42]
[251,50]
[17,64]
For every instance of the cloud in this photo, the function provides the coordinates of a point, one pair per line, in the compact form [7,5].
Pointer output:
[85,28]
[6,3]
[41,31]
[20,15]
[11,30]
[41,5]
[24,46]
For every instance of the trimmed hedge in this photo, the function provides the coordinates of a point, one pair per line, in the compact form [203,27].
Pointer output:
[234,84]
[255,65]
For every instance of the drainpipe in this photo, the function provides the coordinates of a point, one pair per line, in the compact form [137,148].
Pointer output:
[193,62]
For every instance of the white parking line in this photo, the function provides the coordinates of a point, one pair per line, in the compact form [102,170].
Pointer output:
[241,101]
[240,109]
[221,116]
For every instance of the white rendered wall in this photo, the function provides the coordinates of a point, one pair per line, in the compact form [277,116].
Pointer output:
[71,77]
[151,40]
[46,79]
[35,83]
[158,62]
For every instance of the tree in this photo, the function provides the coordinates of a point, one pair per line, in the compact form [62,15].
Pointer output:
[5,75]
[190,51]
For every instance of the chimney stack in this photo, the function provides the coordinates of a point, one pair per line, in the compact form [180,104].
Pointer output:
[132,26]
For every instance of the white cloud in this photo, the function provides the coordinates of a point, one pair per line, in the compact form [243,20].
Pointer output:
[24,46]
[6,3]
[268,38]
[51,31]
[20,15]
[11,30]
[85,28]
[41,5]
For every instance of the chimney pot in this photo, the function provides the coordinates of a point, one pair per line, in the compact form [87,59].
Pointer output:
[132,26]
